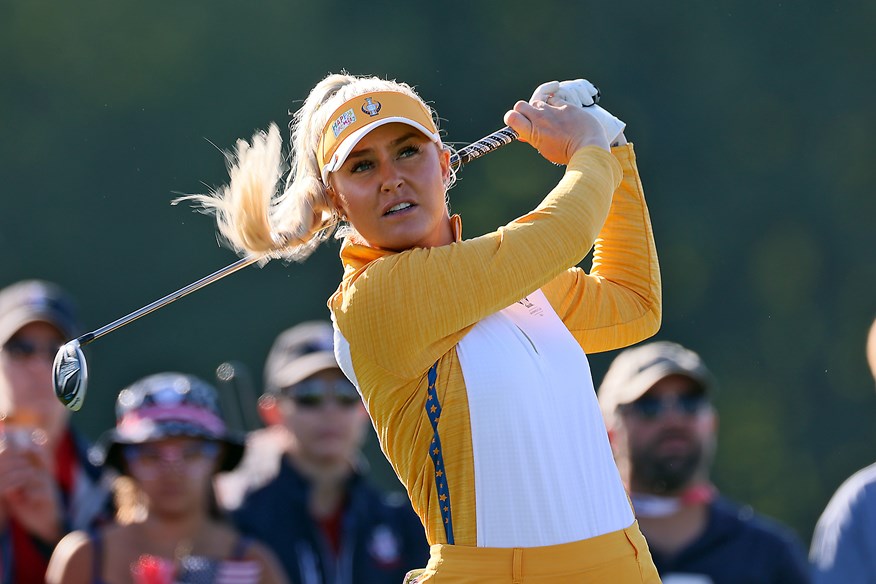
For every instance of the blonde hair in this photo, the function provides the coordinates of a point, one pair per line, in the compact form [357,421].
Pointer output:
[256,220]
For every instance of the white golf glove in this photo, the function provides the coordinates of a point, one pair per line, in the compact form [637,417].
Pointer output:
[582,93]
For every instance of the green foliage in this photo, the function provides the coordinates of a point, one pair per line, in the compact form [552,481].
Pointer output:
[753,125]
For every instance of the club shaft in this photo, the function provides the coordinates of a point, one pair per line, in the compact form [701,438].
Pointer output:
[464,155]
[217,275]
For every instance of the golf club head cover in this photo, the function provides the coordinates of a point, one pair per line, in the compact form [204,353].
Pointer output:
[582,93]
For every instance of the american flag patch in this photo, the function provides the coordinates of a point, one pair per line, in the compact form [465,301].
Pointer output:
[201,570]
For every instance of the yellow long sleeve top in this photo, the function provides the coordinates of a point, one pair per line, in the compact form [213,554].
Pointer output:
[506,320]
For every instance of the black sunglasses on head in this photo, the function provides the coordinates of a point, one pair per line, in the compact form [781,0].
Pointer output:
[19,348]
[312,393]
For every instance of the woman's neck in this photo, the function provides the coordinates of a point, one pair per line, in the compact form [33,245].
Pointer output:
[175,536]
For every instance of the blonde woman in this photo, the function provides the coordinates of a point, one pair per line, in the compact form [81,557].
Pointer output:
[470,353]
[169,442]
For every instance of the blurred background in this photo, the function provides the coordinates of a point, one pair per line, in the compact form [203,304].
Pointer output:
[753,123]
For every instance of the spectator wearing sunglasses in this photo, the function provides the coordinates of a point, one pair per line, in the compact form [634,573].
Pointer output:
[169,441]
[304,491]
[47,484]
[656,402]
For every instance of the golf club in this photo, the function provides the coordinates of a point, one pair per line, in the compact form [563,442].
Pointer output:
[70,371]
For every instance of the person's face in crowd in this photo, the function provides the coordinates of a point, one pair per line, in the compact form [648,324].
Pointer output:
[27,396]
[173,473]
[667,436]
[325,416]
[391,188]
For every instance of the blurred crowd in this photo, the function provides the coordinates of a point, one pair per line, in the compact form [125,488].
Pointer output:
[172,493]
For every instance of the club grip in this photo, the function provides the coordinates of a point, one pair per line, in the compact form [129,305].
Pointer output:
[483,146]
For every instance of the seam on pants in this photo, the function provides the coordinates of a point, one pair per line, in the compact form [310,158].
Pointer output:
[635,549]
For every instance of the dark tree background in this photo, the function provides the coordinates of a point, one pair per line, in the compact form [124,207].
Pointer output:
[753,124]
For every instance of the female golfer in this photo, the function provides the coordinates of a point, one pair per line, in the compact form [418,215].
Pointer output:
[168,444]
[470,354]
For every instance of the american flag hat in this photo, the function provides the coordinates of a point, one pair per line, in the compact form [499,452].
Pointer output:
[166,405]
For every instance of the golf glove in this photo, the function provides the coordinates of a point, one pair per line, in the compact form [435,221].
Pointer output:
[582,93]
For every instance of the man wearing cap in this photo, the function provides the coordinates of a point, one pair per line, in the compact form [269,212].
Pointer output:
[656,401]
[305,494]
[844,544]
[47,485]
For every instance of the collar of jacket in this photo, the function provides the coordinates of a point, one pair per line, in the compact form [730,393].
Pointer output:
[356,255]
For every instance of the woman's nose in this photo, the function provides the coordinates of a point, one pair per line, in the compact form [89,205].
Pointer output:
[390,178]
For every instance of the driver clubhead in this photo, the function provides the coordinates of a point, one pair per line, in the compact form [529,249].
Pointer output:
[70,375]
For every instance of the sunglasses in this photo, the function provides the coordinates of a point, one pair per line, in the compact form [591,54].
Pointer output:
[21,349]
[146,460]
[313,393]
[651,408]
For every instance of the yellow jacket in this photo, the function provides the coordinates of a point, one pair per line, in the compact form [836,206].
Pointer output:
[398,314]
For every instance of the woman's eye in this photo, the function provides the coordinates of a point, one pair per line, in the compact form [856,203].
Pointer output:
[408,151]
[361,166]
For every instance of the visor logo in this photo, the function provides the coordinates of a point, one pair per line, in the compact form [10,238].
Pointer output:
[371,107]
[343,122]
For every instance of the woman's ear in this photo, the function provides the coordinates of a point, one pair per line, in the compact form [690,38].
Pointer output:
[334,198]
[444,159]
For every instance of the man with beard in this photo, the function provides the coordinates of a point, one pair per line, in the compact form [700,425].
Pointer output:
[656,401]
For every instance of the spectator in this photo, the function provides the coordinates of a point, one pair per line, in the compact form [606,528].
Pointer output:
[656,401]
[305,494]
[844,543]
[168,443]
[47,485]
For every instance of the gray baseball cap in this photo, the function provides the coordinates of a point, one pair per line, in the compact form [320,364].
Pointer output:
[634,371]
[298,353]
[36,301]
